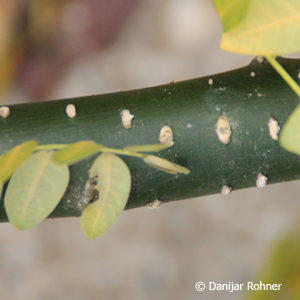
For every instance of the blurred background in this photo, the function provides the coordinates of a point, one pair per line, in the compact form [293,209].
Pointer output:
[51,49]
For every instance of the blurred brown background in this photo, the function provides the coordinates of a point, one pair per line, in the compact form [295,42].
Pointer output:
[52,49]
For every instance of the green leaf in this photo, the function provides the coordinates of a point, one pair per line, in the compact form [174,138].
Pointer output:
[113,183]
[289,137]
[76,152]
[165,165]
[34,190]
[147,148]
[281,267]
[11,161]
[269,27]
[232,12]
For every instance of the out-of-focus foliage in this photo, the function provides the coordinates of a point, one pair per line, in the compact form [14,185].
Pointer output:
[232,12]
[258,27]
[283,268]
[39,39]
[8,44]
[290,134]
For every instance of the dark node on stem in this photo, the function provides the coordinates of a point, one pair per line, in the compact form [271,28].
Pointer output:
[91,190]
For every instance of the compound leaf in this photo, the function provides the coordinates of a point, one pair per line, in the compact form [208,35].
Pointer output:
[34,190]
[113,181]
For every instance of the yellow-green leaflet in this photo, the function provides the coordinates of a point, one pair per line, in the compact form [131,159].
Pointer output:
[34,190]
[11,161]
[289,137]
[232,12]
[76,152]
[165,165]
[282,267]
[113,183]
[147,148]
[264,27]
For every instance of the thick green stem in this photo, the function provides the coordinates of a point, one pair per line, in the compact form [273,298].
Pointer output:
[191,108]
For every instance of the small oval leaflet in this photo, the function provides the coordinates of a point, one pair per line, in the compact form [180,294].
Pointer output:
[290,134]
[165,165]
[113,184]
[11,161]
[76,152]
[34,190]
[147,148]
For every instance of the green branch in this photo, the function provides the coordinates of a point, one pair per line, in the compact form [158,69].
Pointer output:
[221,134]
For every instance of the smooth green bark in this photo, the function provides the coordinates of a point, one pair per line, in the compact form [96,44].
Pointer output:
[191,108]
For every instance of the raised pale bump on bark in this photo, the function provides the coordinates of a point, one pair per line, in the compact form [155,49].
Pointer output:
[4,112]
[166,135]
[226,189]
[261,180]
[223,130]
[126,118]
[71,111]
[274,129]
[260,59]
[155,204]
